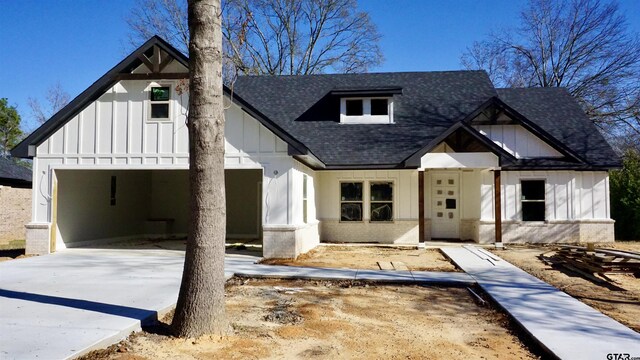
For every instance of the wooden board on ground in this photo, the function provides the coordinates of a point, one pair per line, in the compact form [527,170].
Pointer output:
[399,265]
[385,265]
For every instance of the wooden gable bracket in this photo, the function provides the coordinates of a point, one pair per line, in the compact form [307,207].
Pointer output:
[157,62]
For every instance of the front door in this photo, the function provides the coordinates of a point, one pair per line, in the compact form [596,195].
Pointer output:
[445,206]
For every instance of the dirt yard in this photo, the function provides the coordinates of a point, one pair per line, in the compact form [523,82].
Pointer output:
[277,319]
[362,257]
[621,300]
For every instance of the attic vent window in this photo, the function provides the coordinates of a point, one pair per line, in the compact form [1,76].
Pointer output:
[159,103]
[366,110]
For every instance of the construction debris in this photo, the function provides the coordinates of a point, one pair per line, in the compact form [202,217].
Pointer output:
[588,261]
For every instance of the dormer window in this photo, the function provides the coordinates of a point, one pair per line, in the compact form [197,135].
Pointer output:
[366,110]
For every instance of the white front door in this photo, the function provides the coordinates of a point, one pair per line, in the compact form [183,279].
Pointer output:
[445,206]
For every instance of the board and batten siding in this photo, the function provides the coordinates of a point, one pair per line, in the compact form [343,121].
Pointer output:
[517,141]
[569,195]
[114,132]
[405,192]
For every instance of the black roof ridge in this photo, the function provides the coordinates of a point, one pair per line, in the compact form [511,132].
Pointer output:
[535,88]
[358,74]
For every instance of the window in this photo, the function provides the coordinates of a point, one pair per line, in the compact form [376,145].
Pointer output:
[366,110]
[159,103]
[351,201]
[354,107]
[304,198]
[379,107]
[381,202]
[532,200]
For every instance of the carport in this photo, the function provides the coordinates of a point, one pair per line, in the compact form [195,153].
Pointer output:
[93,207]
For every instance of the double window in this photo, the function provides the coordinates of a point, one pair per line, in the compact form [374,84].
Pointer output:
[159,101]
[532,199]
[366,110]
[380,204]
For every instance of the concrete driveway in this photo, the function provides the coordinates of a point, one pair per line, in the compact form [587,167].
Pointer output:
[63,305]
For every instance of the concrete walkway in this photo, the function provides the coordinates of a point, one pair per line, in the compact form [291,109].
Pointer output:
[64,305]
[566,327]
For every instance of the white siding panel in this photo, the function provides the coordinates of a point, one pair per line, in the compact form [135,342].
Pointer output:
[233,130]
[56,145]
[182,138]
[151,137]
[105,124]
[518,141]
[72,136]
[121,125]
[165,138]
[251,134]
[88,133]
[599,196]
[586,196]
[267,140]
[135,126]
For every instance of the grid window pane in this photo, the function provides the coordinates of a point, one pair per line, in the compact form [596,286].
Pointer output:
[159,111]
[533,211]
[351,212]
[381,211]
[351,191]
[160,93]
[532,189]
[381,192]
[354,107]
[379,107]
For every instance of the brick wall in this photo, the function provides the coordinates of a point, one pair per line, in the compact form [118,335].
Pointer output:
[15,212]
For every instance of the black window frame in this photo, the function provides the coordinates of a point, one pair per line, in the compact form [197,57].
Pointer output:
[164,102]
[533,201]
[345,201]
[388,202]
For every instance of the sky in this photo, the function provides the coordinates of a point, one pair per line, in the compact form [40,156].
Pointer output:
[74,42]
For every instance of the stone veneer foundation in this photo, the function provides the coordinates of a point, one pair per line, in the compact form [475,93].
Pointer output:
[548,232]
[288,241]
[396,232]
[37,238]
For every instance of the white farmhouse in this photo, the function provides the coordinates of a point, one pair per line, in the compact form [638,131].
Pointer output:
[384,158]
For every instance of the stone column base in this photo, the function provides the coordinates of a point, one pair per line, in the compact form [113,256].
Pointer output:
[288,241]
[549,232]
[37,238]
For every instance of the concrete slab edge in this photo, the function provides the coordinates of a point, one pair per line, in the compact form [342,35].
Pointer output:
[506,311]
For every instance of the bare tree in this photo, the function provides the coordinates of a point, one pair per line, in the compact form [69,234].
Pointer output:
[55,99]
[275,36]
[200,309]
[583,45]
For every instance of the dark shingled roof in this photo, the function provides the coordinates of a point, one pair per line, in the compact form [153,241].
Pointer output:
[13,174]
[305,112]
[307,108]
[560,115]
[303,106]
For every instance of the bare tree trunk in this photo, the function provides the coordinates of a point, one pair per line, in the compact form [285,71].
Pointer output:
[200,308]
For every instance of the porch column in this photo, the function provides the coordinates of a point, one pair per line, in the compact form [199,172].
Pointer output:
[421,206]
[498,209]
